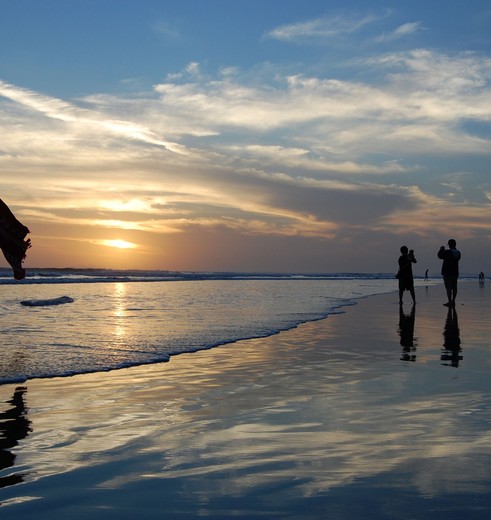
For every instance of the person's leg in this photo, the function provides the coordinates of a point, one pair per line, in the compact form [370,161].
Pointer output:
[448,288]
[449,295]
[413,295]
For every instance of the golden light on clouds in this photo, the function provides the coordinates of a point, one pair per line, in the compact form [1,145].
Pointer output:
[130,205]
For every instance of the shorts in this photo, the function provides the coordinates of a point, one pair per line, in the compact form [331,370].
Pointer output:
[406,284]
[450,282]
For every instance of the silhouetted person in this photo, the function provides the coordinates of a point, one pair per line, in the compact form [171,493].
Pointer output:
[426,275]
[405,274]
[481,278]
[406,332]
[451,338]
[14,426]
[450,269]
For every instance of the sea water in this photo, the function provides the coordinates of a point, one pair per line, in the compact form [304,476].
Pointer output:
[64,322]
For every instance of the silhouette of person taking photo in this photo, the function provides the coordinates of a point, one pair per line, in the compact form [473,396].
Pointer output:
[450,269]
[405,273]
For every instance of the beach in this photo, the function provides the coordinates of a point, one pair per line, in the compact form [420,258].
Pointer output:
[377,412]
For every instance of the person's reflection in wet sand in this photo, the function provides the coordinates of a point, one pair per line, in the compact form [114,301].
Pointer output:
[451,352]
[406,332]
[14,426]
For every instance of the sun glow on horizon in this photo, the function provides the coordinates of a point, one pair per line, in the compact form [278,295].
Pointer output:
[120,244]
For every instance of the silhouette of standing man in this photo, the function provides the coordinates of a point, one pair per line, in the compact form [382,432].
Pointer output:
[405,274]
[450,269]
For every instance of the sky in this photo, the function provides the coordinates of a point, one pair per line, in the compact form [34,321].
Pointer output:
[247,135]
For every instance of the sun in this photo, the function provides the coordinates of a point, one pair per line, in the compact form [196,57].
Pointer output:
[120,244]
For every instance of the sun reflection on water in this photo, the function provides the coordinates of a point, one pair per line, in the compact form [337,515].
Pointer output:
[120,311]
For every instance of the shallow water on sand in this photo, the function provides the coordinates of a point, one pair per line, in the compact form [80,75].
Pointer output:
[74,328]
[362,415]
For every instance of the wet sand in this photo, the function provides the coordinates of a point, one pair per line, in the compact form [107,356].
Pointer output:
[375,413]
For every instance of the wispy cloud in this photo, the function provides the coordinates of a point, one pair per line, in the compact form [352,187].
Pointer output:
[167,29]
[85,119]
[320,28]
[400,32]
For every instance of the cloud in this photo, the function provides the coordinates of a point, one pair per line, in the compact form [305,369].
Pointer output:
[283,156]
[320,29]
[167,29]
[85,119]
[421,101]
[400,32]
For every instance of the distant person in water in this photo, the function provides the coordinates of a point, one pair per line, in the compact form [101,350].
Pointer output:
[481,277]
[450,269]
[426,275]
[405,274]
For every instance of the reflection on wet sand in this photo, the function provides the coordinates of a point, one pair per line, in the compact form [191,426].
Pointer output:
[406,332]
[14,426]
[451,352]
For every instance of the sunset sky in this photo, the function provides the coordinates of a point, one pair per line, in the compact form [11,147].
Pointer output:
[247,135]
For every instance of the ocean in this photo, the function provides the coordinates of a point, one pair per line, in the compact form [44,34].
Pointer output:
[60,322]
